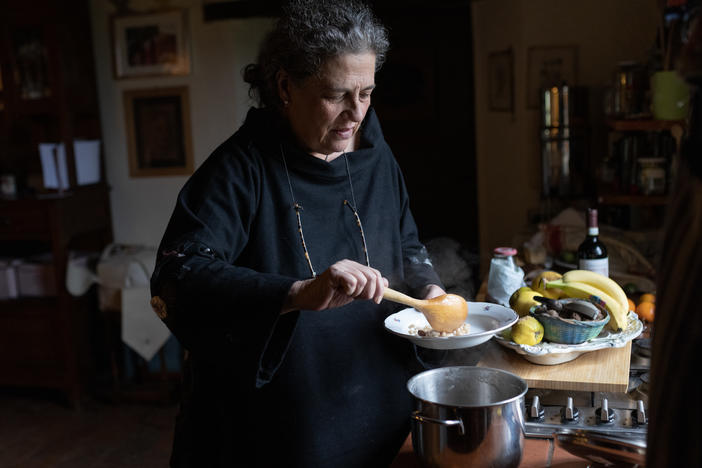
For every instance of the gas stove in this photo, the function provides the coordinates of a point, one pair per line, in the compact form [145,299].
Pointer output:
[620,415]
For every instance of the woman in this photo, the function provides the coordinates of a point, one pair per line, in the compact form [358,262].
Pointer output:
[273,265]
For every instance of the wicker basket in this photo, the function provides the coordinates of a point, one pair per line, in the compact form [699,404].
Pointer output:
[568,331]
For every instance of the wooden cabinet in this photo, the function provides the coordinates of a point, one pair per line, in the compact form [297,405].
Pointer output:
[635,177]
[49,91]
[46,341]
[48,94]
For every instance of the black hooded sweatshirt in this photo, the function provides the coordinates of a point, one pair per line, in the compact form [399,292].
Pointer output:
[307,388]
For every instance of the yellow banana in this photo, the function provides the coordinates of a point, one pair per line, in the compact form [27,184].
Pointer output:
[580,290]
[606,284]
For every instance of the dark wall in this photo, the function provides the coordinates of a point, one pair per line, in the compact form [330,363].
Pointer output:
[424,100]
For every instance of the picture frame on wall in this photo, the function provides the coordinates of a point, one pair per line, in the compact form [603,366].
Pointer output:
[150,44]
[159,139]
[501,81]
[550,66]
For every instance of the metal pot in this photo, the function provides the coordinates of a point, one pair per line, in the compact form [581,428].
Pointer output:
[468,416]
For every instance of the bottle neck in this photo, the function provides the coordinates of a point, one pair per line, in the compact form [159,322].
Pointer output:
[592,225]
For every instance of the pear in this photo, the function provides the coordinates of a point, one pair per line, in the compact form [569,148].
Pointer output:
[527,331]
[539,284]
[522,300]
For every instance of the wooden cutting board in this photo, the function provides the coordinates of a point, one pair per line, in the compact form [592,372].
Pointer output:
[604,370]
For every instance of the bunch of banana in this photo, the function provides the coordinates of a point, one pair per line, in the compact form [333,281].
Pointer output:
[584,284]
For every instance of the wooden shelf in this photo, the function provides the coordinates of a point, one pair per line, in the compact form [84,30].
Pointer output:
[43,108]
[26,305]
[49,341]
[634,200]
[643,125]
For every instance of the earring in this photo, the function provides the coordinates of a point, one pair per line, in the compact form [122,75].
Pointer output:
[285,103]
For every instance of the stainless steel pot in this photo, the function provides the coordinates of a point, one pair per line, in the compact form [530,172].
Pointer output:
[468,416]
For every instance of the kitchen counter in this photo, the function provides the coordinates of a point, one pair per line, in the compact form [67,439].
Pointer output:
[538,453]
[601,370]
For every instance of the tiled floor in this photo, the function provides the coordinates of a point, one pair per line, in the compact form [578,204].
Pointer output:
[39,431]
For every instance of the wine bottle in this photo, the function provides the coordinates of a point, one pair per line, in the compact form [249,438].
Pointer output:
[592,253]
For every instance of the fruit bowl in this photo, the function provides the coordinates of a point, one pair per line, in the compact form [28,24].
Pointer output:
[568,331]
[549,354]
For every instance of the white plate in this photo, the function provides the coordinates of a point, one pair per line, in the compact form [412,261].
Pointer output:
[548,354]
[485,319]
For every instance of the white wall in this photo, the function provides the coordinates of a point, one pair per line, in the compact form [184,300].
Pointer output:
[507,146]
[218,103]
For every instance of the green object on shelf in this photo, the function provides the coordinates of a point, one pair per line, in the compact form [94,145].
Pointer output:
[568,257]
[670,96]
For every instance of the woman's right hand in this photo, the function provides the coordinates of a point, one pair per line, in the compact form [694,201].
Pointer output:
[340,284]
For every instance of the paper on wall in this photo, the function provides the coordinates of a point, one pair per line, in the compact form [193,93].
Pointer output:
[87,154]
[53,167]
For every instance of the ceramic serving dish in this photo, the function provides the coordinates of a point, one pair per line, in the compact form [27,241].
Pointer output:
[547,353]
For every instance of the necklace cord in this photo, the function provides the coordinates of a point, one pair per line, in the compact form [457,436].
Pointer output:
[298,208]
[355,212]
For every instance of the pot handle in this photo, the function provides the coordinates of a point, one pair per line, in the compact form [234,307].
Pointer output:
[444,422]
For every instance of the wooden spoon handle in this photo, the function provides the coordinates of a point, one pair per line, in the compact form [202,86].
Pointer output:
[397,296]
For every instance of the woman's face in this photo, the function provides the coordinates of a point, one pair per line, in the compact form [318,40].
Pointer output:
[325,111]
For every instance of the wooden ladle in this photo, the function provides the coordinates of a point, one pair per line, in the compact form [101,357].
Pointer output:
[444,313]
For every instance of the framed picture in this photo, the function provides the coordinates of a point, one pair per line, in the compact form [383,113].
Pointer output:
[549,66]
[158,132]
[150,44]
[501,81]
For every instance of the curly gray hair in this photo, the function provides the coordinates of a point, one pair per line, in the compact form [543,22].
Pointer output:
[308,34]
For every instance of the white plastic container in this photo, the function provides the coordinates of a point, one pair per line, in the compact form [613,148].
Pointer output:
[8,279]
[505,276]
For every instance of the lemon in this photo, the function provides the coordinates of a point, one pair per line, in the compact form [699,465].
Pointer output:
[522,300]
[527,331]
[538,284]
[515,295]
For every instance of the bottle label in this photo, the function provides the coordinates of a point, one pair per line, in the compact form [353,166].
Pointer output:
[598,265]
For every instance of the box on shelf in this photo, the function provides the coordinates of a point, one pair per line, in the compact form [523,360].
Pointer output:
[36,277]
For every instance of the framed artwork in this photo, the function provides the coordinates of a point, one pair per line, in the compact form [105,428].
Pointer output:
[158,132]
[548,66]
[150,44]
[501,81]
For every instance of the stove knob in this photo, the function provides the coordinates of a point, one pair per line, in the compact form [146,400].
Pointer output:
[536,411]
[569,414]
[638,416]
[604,414]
